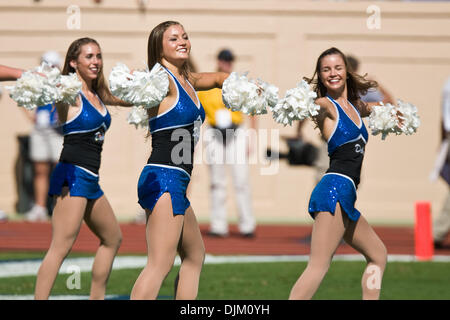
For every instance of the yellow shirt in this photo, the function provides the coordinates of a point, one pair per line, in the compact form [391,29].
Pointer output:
[212,103]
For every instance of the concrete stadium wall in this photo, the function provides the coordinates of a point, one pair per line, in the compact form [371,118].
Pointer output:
[404,45]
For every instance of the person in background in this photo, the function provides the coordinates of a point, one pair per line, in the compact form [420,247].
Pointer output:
[227,147]
[46,142]
[441,225]
[377,94]
[8,74]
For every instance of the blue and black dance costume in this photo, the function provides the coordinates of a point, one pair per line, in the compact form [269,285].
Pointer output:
[174,135]
[346,150]
[79,162]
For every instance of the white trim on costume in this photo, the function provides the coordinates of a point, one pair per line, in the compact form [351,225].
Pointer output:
[104,107]
[173,127]
[353,140]
[337,120]
[77,115]
[357,112]
[198,104]
[167,167]
[342,175]
[176,100]
[88,171]
[89,130]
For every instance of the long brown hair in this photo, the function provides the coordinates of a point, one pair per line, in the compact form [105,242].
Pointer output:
[99,85]
[357,85]
[155,47]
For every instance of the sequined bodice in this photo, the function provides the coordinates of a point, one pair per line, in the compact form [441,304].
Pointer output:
[346,145]
[176,131]
[183,113]
[346,130]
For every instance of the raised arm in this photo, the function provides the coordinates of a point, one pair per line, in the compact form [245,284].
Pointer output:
[326,119]
[111,100]
[324,111]
[9,73]
[114,101]
[207,80]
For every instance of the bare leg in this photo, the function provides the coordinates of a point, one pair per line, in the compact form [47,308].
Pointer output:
[327,232]
[41,172]
[363,238]
[101,220]
[163,234]
[192,253]
[66,222]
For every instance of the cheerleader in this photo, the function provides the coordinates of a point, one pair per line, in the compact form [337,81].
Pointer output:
[332,203]
[75,182]
[6,74]
[174,128]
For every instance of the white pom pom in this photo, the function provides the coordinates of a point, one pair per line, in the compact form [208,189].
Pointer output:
[409,119]
[138,116]
[235,91]
[270,93]
[142,88]
[119,80]
[248,96]
[399,119]
[297,104]
[383,120]
[36,87]
[68,89]
[52,74]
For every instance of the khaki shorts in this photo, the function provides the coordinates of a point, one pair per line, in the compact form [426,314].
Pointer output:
[45,144]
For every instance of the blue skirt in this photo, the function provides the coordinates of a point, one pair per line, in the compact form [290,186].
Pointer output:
[81,183]
[330,190]
[155,180]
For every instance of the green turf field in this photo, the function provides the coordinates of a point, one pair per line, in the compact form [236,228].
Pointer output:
[270,280]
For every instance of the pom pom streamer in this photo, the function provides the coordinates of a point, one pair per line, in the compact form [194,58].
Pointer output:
[270,93]
[139,117]
[120,80]
[409,119]
[36,87]
[297,104]
[44,85]
[248,96]
[140,88]
[383,120]
[386,119]
[68,89]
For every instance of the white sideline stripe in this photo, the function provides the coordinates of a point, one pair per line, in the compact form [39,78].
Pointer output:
[31,267]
